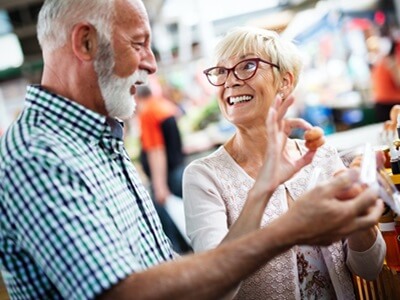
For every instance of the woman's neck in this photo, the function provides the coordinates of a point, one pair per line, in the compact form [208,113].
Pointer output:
[248,149]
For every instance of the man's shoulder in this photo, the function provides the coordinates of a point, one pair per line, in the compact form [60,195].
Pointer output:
[24,141]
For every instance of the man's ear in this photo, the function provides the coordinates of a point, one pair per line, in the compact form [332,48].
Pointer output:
[84,41]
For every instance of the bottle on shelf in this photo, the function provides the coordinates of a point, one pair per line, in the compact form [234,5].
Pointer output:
[388,228]
[398,126]
[394,160]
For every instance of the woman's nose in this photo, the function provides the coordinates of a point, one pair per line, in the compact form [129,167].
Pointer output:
[231,80]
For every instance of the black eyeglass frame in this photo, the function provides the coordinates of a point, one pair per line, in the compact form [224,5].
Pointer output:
[257,60]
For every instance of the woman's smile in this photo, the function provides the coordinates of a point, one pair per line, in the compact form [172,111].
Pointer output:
[239,99]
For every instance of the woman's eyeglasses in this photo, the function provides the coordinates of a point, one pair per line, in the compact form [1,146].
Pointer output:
[243,70]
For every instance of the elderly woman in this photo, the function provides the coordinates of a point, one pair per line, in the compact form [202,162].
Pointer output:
[255,67]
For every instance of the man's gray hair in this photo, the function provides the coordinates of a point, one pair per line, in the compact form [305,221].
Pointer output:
[58,17]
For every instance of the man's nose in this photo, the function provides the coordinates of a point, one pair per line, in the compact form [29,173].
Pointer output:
[148,62]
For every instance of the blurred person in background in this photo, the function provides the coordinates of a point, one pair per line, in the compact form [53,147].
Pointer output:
[254,68]
[75,220]
[161,155]
[385,80]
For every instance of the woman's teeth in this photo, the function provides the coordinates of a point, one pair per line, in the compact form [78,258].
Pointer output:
[234,100]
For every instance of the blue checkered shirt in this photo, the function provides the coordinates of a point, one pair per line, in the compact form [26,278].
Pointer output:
[74,217]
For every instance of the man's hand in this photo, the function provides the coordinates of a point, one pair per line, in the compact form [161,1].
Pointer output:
[356,188]
[318,218]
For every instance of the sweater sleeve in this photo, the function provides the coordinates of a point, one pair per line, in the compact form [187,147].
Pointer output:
[368,264]
[205,211]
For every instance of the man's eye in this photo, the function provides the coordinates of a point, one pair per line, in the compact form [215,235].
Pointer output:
[139,45]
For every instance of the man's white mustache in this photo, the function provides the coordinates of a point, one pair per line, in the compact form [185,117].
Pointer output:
[142,77]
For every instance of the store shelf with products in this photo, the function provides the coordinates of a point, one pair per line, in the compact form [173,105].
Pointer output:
[387,285]
[357,137]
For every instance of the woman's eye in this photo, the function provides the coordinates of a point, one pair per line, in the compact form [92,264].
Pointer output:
[220,71]
[249,66]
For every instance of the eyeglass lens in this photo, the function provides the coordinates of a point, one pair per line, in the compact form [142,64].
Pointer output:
[242,71]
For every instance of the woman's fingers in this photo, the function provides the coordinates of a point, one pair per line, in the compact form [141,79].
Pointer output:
[292,123]
[380,158]
[356,162]
[304,160]
[284,106]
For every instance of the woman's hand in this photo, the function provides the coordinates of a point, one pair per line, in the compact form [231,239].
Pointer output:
[279,165]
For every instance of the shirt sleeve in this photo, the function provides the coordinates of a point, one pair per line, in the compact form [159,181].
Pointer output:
[369,263]
[65,230]
[150,132]
[205,211]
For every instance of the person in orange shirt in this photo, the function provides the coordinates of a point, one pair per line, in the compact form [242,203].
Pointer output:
[161,156]
[386,84]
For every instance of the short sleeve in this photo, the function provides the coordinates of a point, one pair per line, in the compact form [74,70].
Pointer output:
[151,119]
[205,211]
[150,132]
[66,231]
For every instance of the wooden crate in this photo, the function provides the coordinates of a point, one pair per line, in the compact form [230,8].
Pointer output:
[385,287]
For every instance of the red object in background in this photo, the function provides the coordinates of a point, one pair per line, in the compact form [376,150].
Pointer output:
[392,248]
[397,51]
[387,226]
[359,24]
[379,18]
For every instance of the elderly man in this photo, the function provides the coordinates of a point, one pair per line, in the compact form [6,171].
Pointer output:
[76,223]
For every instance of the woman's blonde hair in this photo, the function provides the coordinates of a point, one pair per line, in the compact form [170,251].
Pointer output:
[265,44]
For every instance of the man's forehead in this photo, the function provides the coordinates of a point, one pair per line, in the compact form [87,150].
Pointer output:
[129,8]
[131,4]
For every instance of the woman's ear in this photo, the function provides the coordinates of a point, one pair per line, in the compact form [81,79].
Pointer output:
[286,85]
[84,41]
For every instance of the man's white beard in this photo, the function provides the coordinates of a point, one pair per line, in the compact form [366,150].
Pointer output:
[117,96]
[116,91]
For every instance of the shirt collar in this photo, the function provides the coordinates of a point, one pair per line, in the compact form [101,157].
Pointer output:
[71,116]
[117,128]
